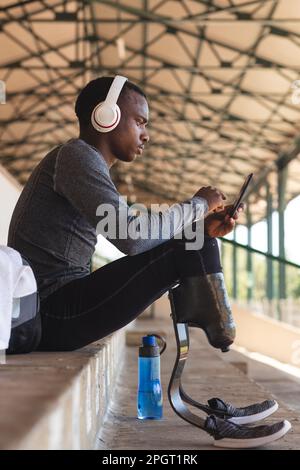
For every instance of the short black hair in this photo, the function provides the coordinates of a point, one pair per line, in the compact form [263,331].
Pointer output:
[95,92]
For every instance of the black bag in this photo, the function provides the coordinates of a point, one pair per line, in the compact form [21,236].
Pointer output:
[26,329]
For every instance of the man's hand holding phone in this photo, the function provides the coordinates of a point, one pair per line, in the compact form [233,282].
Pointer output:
[219,224]
[221,220]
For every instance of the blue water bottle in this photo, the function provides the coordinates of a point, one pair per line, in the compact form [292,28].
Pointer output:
[150,398]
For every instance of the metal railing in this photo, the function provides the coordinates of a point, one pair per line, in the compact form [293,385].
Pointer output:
[258,288]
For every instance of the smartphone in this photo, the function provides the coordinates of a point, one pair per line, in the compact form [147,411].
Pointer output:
[239,199]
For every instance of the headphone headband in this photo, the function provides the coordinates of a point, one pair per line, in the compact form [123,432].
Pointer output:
[115,90]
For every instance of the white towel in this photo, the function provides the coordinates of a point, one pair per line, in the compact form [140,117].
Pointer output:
[16,281]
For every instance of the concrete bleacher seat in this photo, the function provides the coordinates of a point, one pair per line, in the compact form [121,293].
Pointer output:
[86,399]
[58,400]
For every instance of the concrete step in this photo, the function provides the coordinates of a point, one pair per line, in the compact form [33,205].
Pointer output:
[206,375]
[285,386]
[58,400]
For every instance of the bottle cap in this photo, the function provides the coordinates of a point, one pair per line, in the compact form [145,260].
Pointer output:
[149,340]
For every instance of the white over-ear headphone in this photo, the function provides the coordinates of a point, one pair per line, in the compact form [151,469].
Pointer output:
[107,114]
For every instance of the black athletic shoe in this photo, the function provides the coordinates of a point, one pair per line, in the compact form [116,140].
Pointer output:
[246,415]
[230,435]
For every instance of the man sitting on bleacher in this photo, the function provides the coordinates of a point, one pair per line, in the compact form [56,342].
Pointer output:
[55,224]
[63,207]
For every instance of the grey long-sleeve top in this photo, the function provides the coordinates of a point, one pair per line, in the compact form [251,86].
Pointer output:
[63,206]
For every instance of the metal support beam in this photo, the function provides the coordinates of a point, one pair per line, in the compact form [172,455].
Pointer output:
[197,22]
[270,273]
[282,179]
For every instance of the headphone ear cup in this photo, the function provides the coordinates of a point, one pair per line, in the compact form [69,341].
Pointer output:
[105,117]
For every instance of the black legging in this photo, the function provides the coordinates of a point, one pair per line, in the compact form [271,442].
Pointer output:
[90,308]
